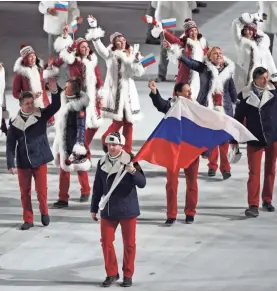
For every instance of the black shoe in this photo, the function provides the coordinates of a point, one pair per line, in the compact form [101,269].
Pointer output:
[110,280]
[268,207]
[105,148]
[127,282]
[201,4]
[195,11]
[45,219]
[60,204]
[211,173]
[252,211]
[170,221]
[160,79]
[26,226]
[189,219]
[226,175]
[84,198]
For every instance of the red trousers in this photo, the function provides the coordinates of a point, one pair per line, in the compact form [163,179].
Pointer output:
[64,183]
[25,184]
[191,174]
[224,162]
[127,133]
[90,132]
[254,155]
[46,102]
[128,229]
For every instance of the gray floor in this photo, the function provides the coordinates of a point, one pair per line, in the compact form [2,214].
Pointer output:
[221,251]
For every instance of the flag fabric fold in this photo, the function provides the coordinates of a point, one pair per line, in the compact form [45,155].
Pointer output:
[61,6]
[188,130]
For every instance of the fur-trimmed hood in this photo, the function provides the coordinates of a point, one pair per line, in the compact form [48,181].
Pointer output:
[75,104]
[20,68]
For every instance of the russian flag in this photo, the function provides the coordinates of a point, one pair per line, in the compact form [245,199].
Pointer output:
[169,23]
[74,26]
[188,130]
[148,60]
[61,6]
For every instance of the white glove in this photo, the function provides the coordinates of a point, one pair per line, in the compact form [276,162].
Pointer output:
[157,30]
[130,168]
[92,22]
[246,18]
[219,109]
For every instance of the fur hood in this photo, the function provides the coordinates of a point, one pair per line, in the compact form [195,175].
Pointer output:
[21,69]
[73,104]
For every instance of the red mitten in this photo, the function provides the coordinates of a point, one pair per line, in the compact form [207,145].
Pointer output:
[73,47]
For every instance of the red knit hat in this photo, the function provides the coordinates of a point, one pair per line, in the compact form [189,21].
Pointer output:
[26,50]
[188,24]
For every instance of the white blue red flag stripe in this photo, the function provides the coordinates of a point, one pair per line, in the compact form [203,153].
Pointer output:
[61,6]
[148,60]
[74,26]
[188,130]
[169,23]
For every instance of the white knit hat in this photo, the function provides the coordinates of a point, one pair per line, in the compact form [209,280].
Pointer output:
[114,35]
[115,138]
[188,24]
[26,50]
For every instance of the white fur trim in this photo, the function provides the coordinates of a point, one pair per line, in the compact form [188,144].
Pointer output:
[94,33]
[174,53]
[85,166]
[79,149]
[126,59]
[59,145]
[156,31]
[32,74]
[218,80]
[62,43]
[69,58]
[93,119]
[100,92]
[49,73]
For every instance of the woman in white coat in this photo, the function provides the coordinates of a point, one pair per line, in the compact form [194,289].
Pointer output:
[252,47]
[120,96]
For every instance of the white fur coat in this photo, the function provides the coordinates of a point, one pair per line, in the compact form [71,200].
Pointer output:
[119,95]
[59,145]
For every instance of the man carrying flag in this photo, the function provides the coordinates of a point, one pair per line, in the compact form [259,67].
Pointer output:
[186,132]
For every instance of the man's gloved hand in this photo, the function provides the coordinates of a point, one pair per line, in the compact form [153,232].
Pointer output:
[130,168]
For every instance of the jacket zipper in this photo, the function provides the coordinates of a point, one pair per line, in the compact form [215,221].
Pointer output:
[26,147]
[262,125]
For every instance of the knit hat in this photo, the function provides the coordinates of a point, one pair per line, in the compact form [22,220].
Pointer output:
[252,26]
[114,35]
[26,50]
[188,24]
[115,138]
[79,41]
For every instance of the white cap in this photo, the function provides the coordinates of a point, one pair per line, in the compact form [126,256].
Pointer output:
[115,138]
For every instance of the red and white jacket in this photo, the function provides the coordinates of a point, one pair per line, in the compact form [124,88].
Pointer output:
[87,70]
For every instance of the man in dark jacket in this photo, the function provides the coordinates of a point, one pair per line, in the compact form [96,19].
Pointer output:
[191,173]
[122,207]
[217,91]
[27,134]
[258,104]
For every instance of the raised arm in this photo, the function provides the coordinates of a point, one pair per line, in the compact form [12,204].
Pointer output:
[236,31]
[171,38]
[94,34]
[44,5]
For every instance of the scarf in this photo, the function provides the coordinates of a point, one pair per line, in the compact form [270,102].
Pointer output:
[258,90]
[114,159]
[218,96]
[25,115]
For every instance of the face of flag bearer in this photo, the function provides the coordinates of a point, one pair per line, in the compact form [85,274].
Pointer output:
[185,92]
[114,149]
[31,58]
[193,33]
[216,56]
[84,49]
[120,43]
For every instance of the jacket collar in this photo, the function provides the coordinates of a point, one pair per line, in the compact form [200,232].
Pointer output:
[253,99]
[110,169]
[19,123]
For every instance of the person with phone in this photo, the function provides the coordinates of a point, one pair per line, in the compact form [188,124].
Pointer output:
[27,143]
[122,207]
